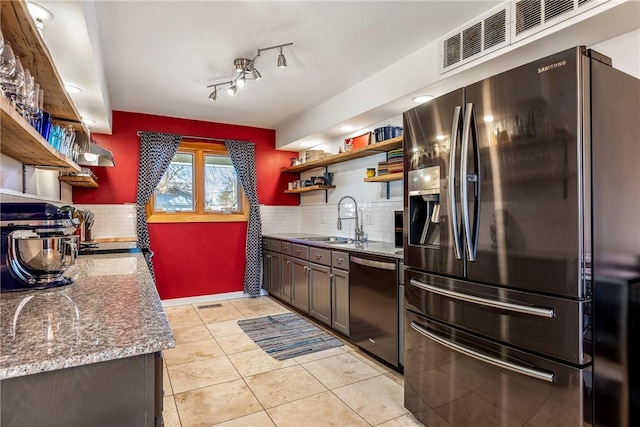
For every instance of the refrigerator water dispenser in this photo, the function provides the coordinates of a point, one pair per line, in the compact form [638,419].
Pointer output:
[424,206]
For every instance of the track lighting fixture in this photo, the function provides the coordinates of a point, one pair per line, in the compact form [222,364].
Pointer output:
[246,70]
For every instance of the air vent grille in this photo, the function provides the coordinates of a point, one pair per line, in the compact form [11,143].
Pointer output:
[495,31]
[485,34]
[528,15]
[472,40]
[451,51]
[202,307]
[503,25]
[553,8]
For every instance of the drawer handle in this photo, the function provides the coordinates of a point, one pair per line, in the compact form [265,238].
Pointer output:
[340,260]
[375,264]
[534,311]
[299,251]
[318,256]
[533,373]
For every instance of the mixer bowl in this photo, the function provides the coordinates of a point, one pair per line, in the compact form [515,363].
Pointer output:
[39,260]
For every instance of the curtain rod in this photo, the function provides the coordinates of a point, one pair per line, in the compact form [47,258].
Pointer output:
[202,138]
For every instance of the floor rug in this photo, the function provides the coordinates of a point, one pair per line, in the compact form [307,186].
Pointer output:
[283,336]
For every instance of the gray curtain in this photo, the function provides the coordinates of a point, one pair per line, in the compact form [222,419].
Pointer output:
[156,152]
[242,154]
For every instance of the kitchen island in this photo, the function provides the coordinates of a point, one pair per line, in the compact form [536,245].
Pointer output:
[87,353]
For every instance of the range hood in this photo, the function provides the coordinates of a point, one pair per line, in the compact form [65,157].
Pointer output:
[96,156]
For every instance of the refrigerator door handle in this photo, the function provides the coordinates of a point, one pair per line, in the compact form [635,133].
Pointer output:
[533,373]
[469,127]
[534,311]
[453,211]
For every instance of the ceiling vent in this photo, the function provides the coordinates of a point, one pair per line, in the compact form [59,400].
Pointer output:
[504,25]
[486,33]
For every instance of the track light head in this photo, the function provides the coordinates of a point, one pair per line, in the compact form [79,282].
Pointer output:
[255,74]
[232,89]
[242,80]
[282,61]
[214,95]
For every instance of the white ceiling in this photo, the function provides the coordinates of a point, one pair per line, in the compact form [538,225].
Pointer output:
[157,57]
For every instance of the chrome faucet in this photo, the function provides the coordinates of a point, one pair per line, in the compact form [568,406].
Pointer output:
[359,232]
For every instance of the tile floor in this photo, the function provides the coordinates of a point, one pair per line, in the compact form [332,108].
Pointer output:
[217,376]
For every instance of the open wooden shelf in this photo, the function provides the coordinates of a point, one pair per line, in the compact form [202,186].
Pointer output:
[79,180]
[26,42]
[310,188]
[20,140]
[386,178]
[23,143]
[369,150]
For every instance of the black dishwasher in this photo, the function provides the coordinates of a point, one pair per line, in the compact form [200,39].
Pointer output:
[373,306]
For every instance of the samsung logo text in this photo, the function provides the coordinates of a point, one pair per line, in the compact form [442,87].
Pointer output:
[552,66]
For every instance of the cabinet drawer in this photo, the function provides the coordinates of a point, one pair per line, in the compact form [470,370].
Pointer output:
[340,260]
[320,256]
[299,251]
[286,248]
[266,244]
[276,245]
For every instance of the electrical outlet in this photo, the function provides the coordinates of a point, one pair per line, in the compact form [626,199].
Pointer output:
[368,220]
[321,218]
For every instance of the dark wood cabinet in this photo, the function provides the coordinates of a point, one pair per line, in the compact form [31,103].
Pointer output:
[300,284]
[286,275]
[320,292]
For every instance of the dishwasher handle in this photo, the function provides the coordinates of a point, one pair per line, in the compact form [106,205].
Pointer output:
[375,264]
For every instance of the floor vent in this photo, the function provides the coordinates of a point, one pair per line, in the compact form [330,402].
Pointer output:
[201,307]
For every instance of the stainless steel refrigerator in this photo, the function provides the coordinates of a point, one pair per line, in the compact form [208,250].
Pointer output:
[522,248]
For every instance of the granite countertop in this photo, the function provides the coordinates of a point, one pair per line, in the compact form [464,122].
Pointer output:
[111,311]
[373,248]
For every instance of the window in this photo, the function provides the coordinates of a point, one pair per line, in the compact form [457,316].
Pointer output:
[200,185]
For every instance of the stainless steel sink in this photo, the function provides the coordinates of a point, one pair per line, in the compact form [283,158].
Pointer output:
[328,239]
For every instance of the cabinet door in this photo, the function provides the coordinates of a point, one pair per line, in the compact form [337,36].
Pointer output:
[300,284]
[287,266]
[340,301]
[266,271]
[276,279]
[320,292]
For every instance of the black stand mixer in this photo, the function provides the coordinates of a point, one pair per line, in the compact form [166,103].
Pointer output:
[37,246]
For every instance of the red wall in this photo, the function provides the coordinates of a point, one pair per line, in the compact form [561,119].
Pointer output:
[196,258]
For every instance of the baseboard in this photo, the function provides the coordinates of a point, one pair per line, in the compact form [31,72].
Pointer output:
[206,298]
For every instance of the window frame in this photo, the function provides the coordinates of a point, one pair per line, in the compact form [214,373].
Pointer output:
[199,150]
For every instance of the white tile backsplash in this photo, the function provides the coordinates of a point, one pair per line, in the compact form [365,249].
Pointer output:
[322,219]
[118,221]
[113,221]
[279,219]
